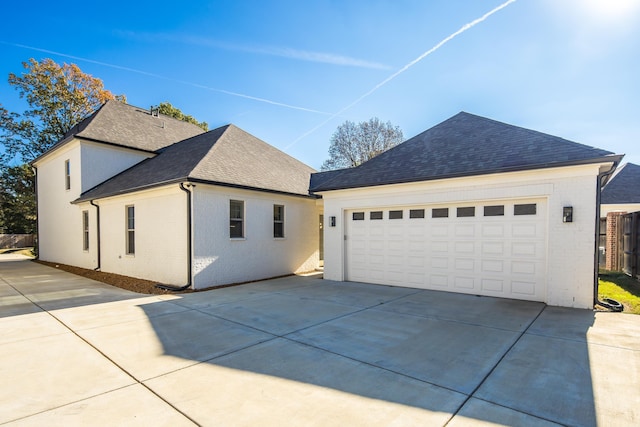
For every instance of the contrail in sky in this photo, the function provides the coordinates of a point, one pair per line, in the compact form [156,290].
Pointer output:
[464,28]
[145,73]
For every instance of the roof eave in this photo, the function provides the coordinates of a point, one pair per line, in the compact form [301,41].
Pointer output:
[83,199]
[612,158]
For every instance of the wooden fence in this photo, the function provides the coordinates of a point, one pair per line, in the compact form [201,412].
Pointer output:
[10,241]
[631,244]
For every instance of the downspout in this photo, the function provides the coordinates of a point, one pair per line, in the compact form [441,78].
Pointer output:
[189,244]
[596,264]
[98,233]
[35,183]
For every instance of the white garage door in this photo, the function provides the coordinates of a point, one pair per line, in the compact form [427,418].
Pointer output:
[495,248]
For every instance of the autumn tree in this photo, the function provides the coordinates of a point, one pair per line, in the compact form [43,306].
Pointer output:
[353,144]
[169,110]
[58,96]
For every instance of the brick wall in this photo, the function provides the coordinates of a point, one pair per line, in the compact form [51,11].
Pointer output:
[614,241]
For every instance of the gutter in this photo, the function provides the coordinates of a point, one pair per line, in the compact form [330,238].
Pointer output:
[189,244]
[35,183]
[603,177]
[98,232]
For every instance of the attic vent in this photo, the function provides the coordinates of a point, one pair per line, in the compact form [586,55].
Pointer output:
[155,111]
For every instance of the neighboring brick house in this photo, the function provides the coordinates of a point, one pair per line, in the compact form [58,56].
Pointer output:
[621,195]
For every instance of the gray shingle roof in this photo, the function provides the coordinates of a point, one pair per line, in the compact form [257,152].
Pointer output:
[128,126]
[226,156]
[463,145]
[624,187]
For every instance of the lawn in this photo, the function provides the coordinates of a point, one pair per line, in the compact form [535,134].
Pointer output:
[622,288]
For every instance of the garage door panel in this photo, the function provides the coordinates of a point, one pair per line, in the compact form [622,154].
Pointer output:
[465,283]
[493,266]
[493,285]
[503,255]
[493,230]
[465,230]
[493,248]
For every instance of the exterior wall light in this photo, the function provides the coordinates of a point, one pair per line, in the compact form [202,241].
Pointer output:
[332,222]
[567,214]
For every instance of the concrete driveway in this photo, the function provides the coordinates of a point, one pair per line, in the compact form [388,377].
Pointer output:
[305,351]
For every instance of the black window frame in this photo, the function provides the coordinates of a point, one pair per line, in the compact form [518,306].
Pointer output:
[494,210]
[466,212]
[376,215]
[396,214]
[416,213]
[278,221]
[525,209]
[357,216]
[440,213]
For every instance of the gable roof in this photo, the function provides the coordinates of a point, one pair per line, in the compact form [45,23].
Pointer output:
[463,145]
[624,187]
[225,156]
[124,125]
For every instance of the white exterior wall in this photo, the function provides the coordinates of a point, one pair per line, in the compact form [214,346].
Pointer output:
[160,235]
[60,222]
[100,162]
[220,260]
[570,246]
[60,236]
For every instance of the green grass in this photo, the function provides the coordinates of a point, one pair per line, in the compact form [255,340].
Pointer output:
[622,288]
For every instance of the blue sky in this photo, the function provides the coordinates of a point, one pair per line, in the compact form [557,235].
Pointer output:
[290,72]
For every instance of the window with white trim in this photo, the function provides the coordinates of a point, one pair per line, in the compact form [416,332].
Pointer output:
[236,219]
[131,230]
[85,230]
[278,221]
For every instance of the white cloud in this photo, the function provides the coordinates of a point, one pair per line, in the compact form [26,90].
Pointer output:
[283,52]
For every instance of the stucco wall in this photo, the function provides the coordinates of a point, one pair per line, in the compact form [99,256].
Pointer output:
[219,260]
[160,235]
[60,235]
[570,246]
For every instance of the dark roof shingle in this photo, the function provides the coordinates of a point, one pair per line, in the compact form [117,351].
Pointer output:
[122,124]
[624,187]
[226,156]
[463,145]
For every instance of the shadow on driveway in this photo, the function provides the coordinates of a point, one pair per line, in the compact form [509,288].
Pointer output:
[309,351]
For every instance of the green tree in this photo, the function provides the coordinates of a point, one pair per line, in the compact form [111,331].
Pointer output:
[17,201]
[169,110]
[353,144]
[59,97]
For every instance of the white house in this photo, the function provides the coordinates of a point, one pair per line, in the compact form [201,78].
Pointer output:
[144,195]
[473,206]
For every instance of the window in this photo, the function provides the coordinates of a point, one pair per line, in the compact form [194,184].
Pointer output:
[528,209]
[416,213]
[67,175]
[131,230]
[464,212]
[85,230]
[236,219]
[440,213]
[497,210]
[278,221]
[395,214]
[357,216]
[375,215]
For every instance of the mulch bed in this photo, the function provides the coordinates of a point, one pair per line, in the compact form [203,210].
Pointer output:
[125,282]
